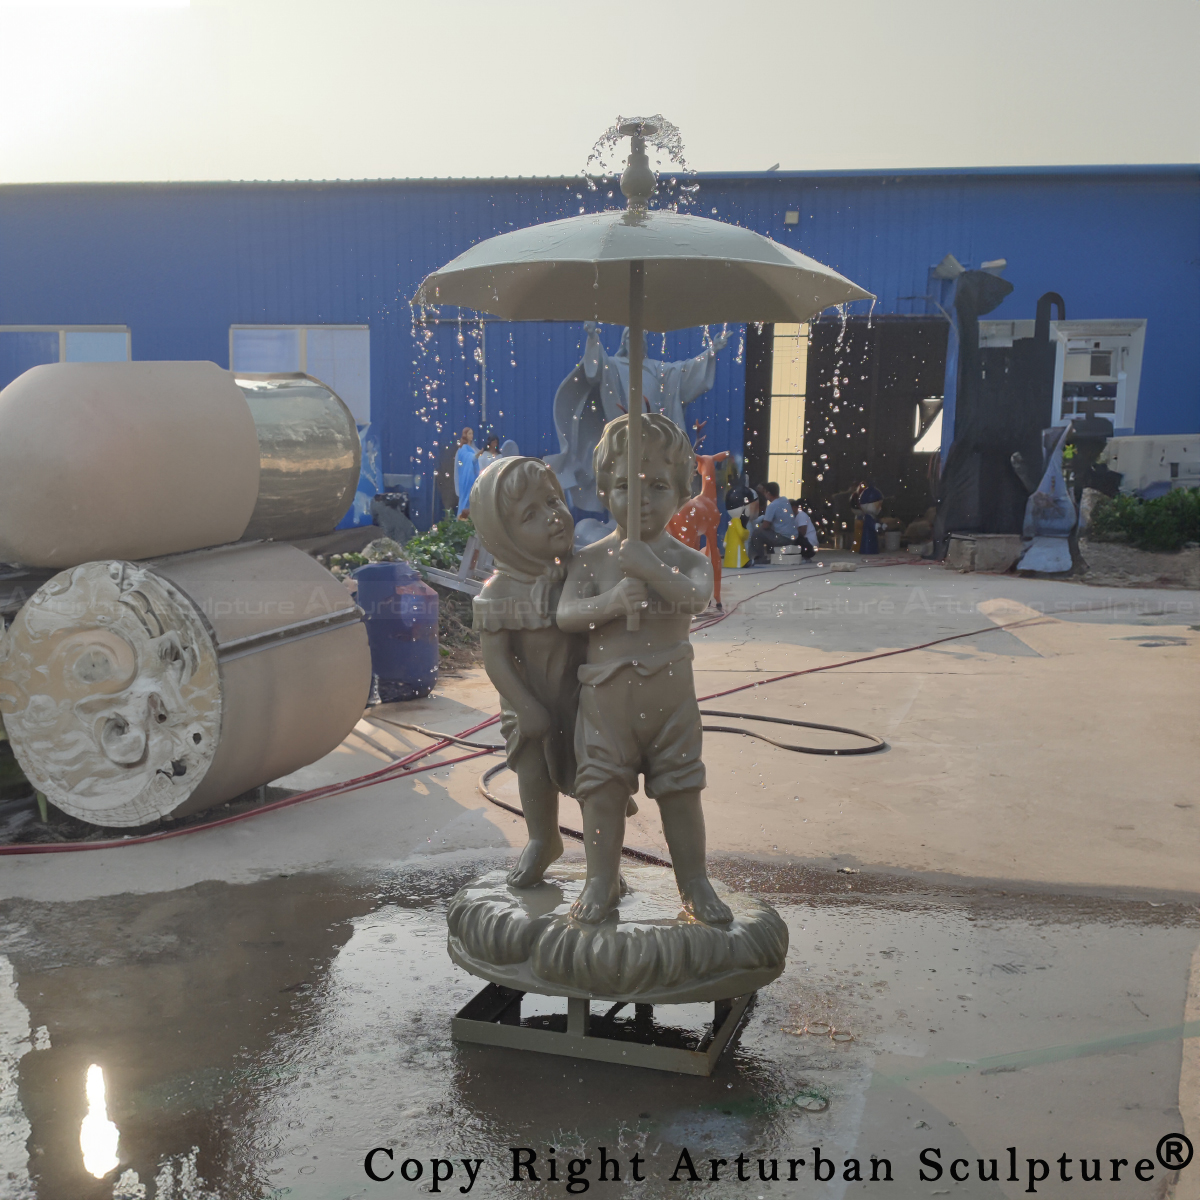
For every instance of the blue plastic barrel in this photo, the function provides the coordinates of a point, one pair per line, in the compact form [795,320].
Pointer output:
[402,622]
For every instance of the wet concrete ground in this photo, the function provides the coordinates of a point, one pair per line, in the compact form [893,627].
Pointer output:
[268,1001]
[258,1039]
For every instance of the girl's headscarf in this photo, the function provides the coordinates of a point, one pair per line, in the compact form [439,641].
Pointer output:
[492,525]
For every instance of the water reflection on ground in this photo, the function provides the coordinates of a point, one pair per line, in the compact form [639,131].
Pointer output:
[258,1040]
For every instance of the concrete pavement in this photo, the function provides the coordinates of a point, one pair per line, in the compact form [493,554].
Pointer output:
[1012,953]
[1061,754]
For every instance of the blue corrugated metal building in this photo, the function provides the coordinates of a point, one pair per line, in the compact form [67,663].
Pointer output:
[179,265]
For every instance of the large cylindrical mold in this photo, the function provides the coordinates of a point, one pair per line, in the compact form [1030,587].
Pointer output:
[134,691]
[309,455]
[123,460]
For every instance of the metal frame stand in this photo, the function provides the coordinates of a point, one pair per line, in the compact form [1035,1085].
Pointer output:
[493,1018]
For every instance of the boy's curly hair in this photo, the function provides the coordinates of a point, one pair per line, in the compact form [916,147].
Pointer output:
[657,431]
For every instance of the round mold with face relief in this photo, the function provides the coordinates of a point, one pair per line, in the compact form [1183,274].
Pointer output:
[112,693]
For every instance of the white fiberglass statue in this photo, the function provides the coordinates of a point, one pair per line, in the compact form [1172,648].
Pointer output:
[597,391]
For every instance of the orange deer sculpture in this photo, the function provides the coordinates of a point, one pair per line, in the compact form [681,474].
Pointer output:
[700,515]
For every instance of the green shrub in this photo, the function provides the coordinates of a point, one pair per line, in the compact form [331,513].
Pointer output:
[1163,524]
[442,546]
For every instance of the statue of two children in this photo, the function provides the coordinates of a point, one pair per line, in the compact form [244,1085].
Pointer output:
[587,715]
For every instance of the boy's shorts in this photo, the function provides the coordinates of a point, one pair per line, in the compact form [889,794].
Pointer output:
[639,717]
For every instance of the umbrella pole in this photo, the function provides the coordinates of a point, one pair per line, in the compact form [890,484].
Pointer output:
[633,522]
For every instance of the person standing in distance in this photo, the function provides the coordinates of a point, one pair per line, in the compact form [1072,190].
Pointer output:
[465,469]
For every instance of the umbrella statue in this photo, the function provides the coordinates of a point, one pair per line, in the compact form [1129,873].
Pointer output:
[649,269]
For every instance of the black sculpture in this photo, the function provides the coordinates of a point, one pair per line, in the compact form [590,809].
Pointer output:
[1005,399]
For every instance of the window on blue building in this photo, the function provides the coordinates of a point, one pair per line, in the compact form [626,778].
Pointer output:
[338,355]
[25,346]
[789,380]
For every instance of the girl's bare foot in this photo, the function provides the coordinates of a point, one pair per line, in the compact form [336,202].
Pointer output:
[535,858]
[703,903]
[598,900]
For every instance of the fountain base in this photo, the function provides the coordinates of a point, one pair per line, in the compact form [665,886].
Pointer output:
[493,1018]
[647,952]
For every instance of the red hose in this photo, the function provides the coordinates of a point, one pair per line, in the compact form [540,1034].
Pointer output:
[384,774]
[849,662]
[716,620]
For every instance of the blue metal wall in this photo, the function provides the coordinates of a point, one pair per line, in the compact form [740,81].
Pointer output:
[180,263]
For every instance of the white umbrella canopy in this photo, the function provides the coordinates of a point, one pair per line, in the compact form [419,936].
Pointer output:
[696,272]
[646,269]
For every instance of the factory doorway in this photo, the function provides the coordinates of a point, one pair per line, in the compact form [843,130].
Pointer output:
[873,390]
[837,403]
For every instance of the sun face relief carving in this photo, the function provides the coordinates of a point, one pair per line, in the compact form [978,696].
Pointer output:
[111,674]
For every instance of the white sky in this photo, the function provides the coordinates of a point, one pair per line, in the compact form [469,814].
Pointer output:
[313,89]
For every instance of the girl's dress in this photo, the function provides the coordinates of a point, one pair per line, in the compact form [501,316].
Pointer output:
[522,598]
[546,659]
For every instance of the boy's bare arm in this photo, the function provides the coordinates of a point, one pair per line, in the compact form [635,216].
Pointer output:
[532,718]
[687,589]
[579,612]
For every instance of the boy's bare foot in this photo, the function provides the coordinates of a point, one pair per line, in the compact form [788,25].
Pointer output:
[704,904]
[534,860]
[631,808]
[598,900]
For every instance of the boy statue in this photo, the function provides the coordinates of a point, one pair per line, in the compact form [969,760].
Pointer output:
[637,703]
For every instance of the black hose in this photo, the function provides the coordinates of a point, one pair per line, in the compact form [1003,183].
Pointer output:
[877,743]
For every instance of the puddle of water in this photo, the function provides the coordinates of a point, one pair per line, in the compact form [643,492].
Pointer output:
[15,1042]
[258,1040]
